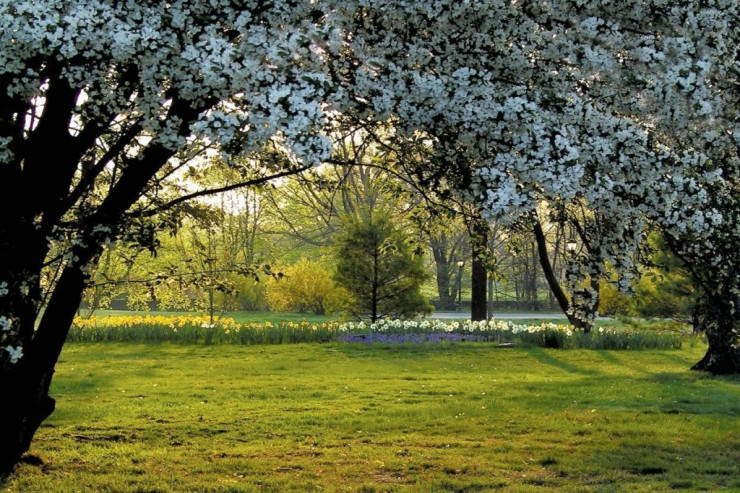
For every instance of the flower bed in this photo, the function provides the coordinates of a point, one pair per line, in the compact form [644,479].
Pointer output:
[194,329]
[504,333]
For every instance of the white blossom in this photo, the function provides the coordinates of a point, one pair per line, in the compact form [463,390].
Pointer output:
[14,353]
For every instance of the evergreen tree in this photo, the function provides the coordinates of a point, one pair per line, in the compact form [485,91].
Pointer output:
[380,269]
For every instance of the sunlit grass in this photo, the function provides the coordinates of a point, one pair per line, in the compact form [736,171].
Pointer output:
[340,417]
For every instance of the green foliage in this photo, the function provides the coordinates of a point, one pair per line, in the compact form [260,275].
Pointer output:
[134,417]
[306,286]
[379,268]
[666,289]
[611,301]
[251,294]
[664,294]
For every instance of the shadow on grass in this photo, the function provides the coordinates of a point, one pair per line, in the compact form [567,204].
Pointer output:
[609,356]
[675,358]
[660,462]
[546,357]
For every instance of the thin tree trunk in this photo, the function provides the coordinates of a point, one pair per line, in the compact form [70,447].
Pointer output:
[490,297]
[479,276]
[533,277]
[374,301]
[552,280]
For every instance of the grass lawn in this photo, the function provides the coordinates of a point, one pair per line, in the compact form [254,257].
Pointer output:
[303,417]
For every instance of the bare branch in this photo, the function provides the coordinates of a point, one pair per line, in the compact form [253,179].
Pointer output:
[213,191]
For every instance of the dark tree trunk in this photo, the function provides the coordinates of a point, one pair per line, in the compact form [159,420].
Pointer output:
[25,384]
[375,286]
[446,294]
[717,310]
[489,294]
[28,382]
[552,280]
[479,276]
[27,407]
[721,322]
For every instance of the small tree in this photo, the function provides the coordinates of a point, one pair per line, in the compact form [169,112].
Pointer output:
[380,269]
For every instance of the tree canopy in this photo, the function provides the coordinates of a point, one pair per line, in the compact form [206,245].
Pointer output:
[630,107]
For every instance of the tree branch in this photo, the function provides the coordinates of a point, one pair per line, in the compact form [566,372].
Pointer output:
[213,191]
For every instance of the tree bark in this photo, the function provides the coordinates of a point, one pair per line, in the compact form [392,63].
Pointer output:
[552,280]
[721,323]
[27,383]
[446,297]
[479,276]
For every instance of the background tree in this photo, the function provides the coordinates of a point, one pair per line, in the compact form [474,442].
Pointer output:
[208,261]
[446,238]
[307,210]
[666,289]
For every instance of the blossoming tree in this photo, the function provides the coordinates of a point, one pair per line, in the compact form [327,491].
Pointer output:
[101,102]
[628,106]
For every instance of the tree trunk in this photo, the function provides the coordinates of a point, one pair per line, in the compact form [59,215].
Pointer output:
[533,278]
[27,383]
[444,260]
[552,280]
[28,405]
[721,322]
[446,297]
[479,276]
[489,287]
[375,286]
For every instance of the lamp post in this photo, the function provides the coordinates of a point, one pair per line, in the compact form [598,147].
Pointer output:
[460,265]
[571,245]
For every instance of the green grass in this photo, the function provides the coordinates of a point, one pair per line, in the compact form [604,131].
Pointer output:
[309,417]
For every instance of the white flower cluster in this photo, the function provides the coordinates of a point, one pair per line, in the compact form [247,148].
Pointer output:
[626,108]
[7,334]
[439,326]
[14,353]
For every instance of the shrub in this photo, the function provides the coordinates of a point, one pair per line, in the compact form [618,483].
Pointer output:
[306,286]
